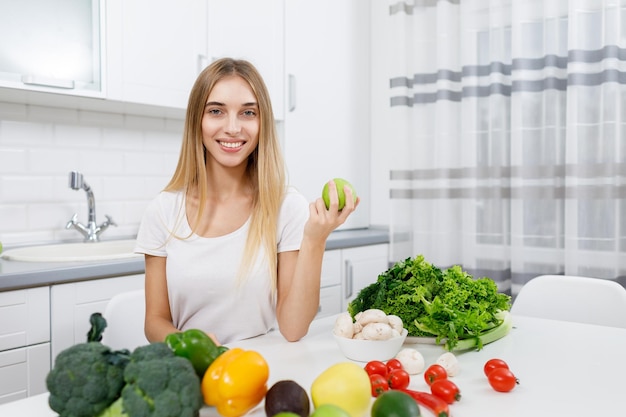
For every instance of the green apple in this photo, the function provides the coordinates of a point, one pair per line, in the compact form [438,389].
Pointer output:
[329,410]
[340,182]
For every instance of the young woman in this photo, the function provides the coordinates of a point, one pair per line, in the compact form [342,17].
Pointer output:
[230,248]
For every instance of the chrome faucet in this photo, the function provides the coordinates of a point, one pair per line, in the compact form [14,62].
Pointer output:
[92,231]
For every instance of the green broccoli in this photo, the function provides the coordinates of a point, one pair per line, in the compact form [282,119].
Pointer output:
[87,377]
[114,410]
[160,384]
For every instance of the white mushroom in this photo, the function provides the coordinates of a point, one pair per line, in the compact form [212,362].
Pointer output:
[358,336]
[412,360]
[343,326]
[395,322]
[450,363]
[357,327]
[373,315]
[357,316]
[377,331]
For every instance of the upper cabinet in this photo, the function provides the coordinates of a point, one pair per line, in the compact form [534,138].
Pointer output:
[52,46]
[327,131]
[253,30]
[141,56]
[155,50]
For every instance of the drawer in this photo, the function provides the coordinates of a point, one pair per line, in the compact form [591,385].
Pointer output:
[330,301]
[331,268]
[24,317]
[23,372]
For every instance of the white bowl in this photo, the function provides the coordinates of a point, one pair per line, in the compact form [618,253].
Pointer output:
[369,350]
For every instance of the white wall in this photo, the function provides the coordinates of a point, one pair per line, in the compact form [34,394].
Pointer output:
[126,160]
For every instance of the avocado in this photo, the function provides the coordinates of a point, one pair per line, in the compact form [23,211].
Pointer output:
[287,396]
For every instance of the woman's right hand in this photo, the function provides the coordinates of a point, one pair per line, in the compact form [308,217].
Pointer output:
[322,221]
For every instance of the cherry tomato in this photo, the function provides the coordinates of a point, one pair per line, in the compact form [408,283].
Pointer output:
[379,384]
[435,372]
[394,364]
[376,368]
[398,379]
[446,390]
[502,380]
[492,364]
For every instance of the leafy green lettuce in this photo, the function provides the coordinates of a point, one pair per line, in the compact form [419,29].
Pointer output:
[447,304]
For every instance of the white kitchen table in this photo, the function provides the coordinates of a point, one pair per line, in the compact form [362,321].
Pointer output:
[564,369]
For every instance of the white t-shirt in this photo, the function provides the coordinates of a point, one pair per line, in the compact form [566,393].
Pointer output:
[202,273]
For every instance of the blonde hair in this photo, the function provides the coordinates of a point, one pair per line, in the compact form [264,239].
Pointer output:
[266,162]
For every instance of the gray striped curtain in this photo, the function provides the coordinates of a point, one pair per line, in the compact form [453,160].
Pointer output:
[511,117]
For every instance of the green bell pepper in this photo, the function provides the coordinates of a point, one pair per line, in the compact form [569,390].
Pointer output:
[196,346]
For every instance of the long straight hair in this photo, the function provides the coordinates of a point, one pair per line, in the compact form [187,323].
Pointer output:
[265,168]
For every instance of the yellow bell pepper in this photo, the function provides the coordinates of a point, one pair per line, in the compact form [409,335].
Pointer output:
[235,382]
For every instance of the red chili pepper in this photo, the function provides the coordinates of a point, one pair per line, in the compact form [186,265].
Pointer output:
[436,405]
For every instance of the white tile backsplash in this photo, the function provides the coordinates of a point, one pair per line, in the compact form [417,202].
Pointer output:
[126,160]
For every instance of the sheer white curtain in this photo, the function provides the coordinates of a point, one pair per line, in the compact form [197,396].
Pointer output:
[512,120]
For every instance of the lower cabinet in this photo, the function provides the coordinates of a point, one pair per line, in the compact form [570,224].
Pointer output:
[346,271]
[72,304]
[24,342]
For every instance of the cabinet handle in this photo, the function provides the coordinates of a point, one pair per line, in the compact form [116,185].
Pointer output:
[292,92]
[202,62]
[349,279]
[47,82]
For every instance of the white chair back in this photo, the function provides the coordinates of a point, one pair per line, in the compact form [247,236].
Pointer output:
[572,298]
[125,314]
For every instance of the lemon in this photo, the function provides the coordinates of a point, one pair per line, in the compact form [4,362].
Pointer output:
[345,385]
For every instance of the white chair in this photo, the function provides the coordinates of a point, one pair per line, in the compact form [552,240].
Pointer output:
[125,314]
[572,298]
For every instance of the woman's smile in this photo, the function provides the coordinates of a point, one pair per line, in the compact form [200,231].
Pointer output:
[231,144]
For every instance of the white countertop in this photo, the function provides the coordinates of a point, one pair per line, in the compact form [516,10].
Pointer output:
[564,369]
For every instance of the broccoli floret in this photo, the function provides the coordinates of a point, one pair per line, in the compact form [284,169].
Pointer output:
[160,384]
[114,410]
[87,377]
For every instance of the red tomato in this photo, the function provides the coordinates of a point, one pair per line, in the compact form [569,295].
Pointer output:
[502,380]
[394,364]
[379,384]
[492,364]
[446,390]
[398,379]
[435,372]
[376,368]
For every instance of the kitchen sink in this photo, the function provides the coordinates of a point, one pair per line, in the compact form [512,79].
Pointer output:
[72,252]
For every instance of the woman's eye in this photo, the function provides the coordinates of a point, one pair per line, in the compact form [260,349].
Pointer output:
[214,112]
[249,113]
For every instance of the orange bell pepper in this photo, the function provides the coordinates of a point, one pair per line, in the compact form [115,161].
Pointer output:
[235,382]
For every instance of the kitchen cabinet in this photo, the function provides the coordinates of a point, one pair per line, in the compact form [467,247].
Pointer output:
[155,50]
[326,129]
[346,271]
[52,47]
[72,304]
[330,291]
[252,30]
[24,342]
